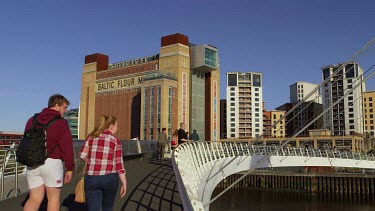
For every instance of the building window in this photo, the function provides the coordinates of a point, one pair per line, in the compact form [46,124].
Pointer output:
[232,135]
[232,130]
[256,104]
[232,119]
[370,99]
[232,104]
[232,114]
[257,99]
[232,79]
[351,127]
[232,94]
[232,99]
[370,105]
[210,57]
[232,109]
[233,124]
[257,94]
[256,89]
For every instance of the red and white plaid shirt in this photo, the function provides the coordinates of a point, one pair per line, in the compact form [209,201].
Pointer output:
[105,155]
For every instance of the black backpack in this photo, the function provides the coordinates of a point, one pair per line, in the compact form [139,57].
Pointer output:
[32,150]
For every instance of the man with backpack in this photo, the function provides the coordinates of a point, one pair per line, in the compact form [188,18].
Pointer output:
[48,177]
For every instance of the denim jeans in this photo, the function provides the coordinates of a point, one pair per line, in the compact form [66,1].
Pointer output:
[101,191]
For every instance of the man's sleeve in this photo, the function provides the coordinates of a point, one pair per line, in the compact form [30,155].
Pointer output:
[66,146]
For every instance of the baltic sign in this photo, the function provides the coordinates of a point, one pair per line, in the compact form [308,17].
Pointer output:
[122,83]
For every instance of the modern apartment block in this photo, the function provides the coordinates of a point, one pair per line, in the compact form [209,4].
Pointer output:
[368,106]
[244,104]
[301,116]
[301,89]
[180,83]
[346,117]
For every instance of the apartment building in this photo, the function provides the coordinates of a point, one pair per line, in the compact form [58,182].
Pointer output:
[346,117]
[368,106]
[244,104]
[301,89]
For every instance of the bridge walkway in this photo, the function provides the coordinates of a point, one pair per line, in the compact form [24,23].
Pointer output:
[151,185]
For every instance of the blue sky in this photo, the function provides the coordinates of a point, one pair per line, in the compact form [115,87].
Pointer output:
[43,43]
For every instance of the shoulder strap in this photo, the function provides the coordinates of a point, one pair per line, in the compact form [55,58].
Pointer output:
[35,121]
[51,121]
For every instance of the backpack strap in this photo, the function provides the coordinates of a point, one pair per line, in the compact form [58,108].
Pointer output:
[47,126]
[51,122]
[35,121]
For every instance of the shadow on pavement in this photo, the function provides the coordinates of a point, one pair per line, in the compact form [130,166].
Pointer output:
[157,191]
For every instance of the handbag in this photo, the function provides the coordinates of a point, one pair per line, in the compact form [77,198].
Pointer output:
[174,142]
[80,195]
[80,191]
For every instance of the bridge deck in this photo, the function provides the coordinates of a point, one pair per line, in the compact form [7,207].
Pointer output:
[151,186]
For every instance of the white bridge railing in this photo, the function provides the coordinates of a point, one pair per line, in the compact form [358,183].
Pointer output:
[200,166]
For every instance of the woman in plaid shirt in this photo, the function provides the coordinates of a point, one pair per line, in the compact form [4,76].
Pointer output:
[103,153]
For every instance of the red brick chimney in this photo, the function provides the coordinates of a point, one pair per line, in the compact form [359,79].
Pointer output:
[100,59]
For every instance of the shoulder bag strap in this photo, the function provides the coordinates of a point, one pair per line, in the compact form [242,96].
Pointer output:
[87,158]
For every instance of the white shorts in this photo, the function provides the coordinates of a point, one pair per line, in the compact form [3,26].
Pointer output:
[50,174]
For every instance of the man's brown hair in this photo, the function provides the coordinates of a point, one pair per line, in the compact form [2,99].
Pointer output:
[57,99]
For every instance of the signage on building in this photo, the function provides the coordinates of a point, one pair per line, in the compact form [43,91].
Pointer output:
[215,111]
[184,96]
[133,62]
[122,83]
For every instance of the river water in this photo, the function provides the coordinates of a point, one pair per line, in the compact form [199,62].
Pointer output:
[267,200]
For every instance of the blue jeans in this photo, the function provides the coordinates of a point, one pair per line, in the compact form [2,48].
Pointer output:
[101,191]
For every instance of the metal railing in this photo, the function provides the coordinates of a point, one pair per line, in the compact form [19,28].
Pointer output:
[9,166]
[190,162]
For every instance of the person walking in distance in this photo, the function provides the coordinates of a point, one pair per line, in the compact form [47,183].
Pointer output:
[182,136]
[194,136]
[104,168]
[49,177]
[162,143]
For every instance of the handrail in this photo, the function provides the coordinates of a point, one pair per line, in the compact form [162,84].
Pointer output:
[193,162]
[181,187]
[9,151]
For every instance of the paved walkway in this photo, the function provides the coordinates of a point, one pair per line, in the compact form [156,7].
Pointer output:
[151,186]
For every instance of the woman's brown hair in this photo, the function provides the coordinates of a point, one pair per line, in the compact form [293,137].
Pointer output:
[175,133]
[102,125]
